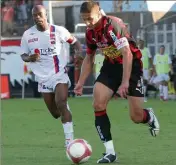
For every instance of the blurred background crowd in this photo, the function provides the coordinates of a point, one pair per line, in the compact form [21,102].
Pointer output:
[16,16]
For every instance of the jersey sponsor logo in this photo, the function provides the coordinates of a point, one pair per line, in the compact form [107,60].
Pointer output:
[111,52]
[33,40]
[48,51]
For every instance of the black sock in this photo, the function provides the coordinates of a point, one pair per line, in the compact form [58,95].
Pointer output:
[103,126]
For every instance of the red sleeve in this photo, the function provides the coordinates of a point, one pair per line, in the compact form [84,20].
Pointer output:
[91,45]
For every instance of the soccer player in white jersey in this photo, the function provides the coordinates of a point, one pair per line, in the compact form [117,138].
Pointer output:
[41,46]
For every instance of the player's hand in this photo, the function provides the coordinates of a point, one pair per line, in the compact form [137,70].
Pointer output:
[123,89]
[34,57]
[78,89]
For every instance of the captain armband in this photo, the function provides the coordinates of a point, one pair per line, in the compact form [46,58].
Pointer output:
[121,42]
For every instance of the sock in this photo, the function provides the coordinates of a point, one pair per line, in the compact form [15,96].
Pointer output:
[103,127]
[165,91]
[161,90]
[68,131]
[146,117]
[109,147]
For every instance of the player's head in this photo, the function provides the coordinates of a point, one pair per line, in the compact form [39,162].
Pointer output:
[39,15]
[162,49]
[90,13]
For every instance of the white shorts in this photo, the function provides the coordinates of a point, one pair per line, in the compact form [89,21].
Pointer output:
[50,85]
[146,75]
[161,77]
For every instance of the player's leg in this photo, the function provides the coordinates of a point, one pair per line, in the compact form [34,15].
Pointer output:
[49,99]
[61,95]
[139,114]
[101,96]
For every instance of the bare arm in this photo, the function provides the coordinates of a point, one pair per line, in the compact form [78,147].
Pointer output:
[127,63]
[32,58]
[86,68]
[78,49]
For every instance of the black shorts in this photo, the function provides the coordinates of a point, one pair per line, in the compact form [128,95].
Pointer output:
[111,76]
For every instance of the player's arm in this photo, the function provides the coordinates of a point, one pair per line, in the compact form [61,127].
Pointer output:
[127,60]
[25,52]
[66,36]
[122,44]
[86,68]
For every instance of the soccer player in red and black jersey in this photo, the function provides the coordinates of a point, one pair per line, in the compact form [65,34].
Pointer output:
[121,72]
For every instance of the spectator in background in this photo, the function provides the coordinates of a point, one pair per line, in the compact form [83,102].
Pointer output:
[22,12]
[174,72]
[162,64]
[147,63]
[7,19]
[38,2]
[29,9]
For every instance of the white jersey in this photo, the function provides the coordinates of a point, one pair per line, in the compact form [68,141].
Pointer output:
[49,44]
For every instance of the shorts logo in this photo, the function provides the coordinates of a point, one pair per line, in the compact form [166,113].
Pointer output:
[44,86]
[140,86]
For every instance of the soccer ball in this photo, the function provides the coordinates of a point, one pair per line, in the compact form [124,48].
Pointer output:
[79,151]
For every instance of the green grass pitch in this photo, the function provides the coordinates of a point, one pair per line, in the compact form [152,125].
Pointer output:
[30,136]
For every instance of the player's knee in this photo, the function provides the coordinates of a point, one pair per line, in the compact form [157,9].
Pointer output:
[99,106]
[137,117]
[55,113]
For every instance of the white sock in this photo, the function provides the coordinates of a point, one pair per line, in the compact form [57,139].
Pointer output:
[109,147]
[161,90]
[68,131]
[165,91]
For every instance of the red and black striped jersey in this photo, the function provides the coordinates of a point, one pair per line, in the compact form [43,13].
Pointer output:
[108,38]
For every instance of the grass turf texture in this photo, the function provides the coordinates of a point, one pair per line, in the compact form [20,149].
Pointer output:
[30,136]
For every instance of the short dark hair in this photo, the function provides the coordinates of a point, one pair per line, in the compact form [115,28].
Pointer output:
[162,46]
[86,7]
